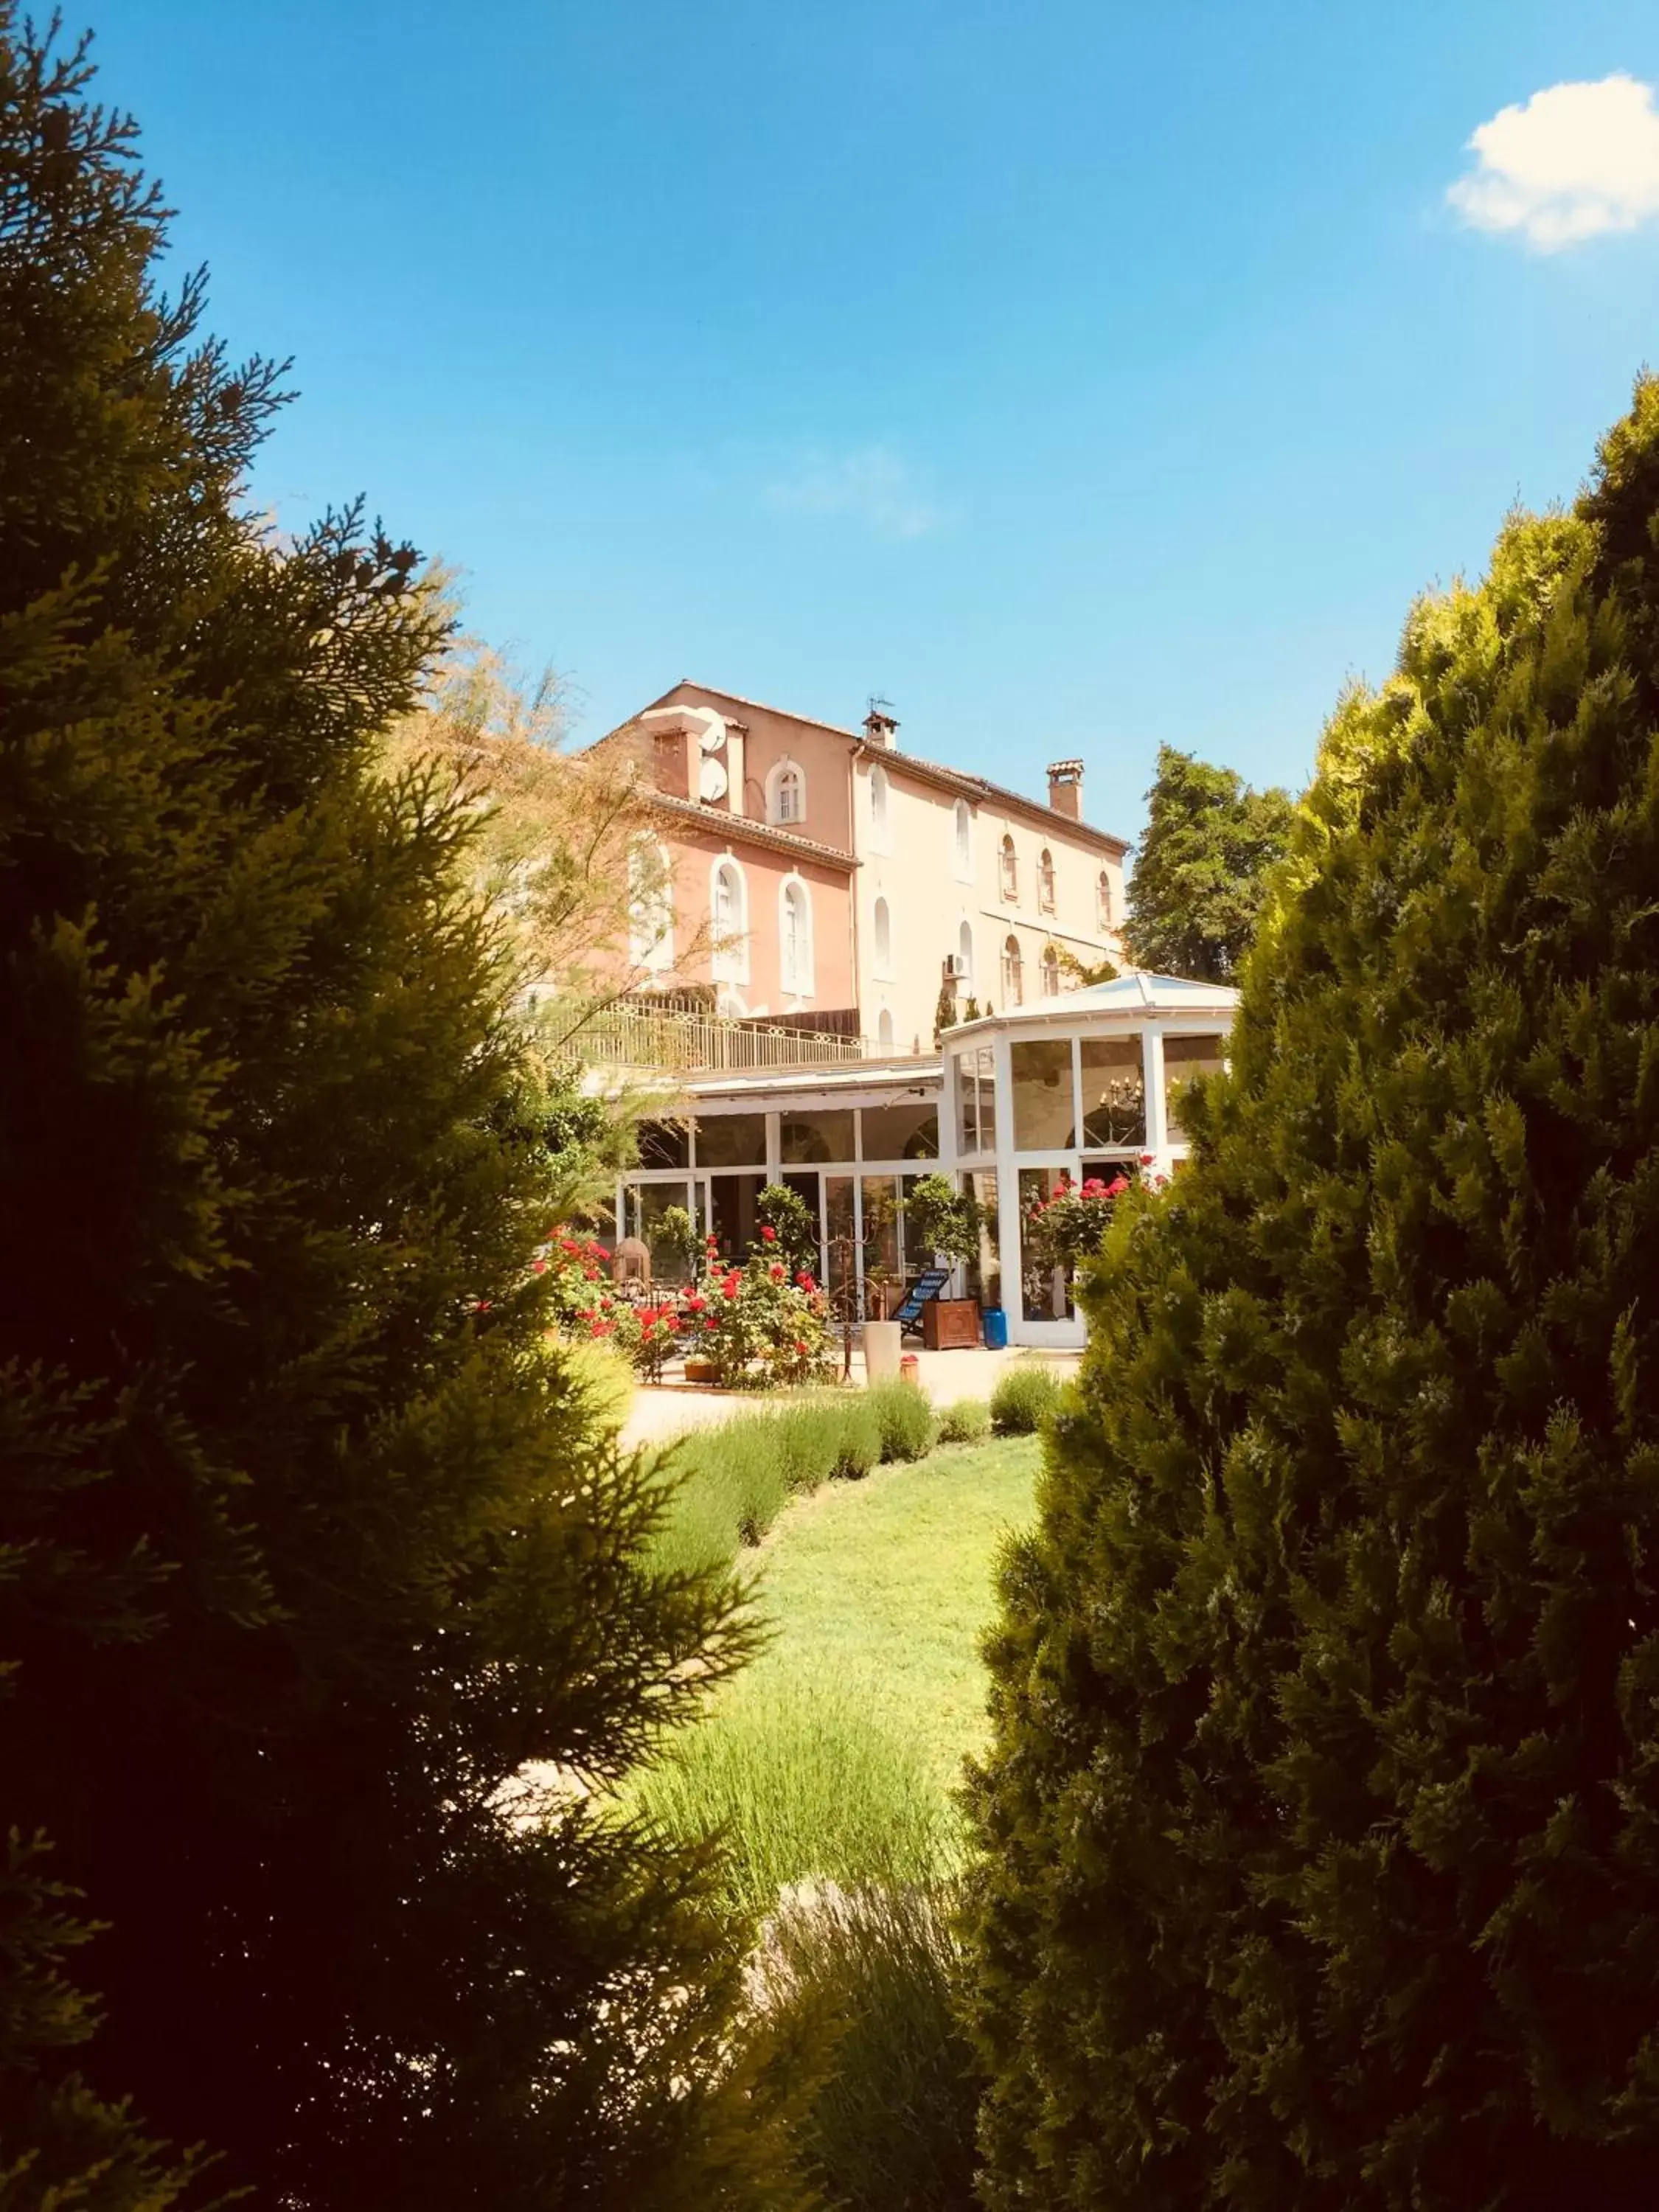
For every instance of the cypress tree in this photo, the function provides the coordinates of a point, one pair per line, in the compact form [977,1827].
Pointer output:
[322,1607]
[1321,1824]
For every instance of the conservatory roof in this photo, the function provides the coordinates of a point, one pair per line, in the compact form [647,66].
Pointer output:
[1131,998]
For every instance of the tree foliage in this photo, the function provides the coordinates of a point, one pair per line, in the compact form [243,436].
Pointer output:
[322,1604]
[1321,1821]
[1199,876]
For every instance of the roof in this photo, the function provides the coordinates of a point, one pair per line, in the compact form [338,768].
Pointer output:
[977,788]
[842,1081]
[1126,998]
[743,829]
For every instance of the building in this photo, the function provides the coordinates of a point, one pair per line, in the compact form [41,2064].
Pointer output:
[1086,1083]
[824,878]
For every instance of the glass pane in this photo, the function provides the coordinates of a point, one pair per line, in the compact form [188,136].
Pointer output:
[1184,1058]
[985,1272]
[664,1145]
[1042,1073]
[1113,1091]
[827,1135]
[733,1207]
[731,1140]
[1045,1288]
[966,1107]
[842,1235]
[987,1100]
[881,1240]
[652,1200]
[910,1132]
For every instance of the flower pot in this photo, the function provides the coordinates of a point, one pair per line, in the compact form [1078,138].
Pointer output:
[881,1350]
[702,1371]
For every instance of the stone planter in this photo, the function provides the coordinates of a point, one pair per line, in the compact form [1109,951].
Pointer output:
[881,1350]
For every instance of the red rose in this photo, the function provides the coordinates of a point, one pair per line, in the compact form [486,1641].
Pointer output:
[768,1235]
[775,1271]
[1146,1159]
[695,1303]
[1116,1188]
[801,1349]
[803,1281]
[669,1321]
[538,1267]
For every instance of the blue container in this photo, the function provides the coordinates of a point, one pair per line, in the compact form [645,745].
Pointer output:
[996,1329]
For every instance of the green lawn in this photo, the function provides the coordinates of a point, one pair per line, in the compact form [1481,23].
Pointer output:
[835,1754]
[883,1588]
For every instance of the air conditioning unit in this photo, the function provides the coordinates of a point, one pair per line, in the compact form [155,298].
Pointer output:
[955,967]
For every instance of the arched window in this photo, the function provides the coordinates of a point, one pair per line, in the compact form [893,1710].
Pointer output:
[1013,973]
[1050,972]
[1103,900]
[728,909]
[881,932]
[650,905]
[884,1029]
[964,840]
[1046,881]
[1010,868]
[786,794]
[966,950]
[795,937]
[878,807]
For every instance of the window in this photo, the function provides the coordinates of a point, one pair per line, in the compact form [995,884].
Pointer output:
[786,794]
[1114,1092]
[1009,869]
[728,905]
[650,905]
[1184,1058]
[1046,881]
[1050,972]
[1040,1083]
[878,807]
[965,842]
[795,937]
[965,953]
[1014,975]
[1103,900]
[884,1030]
[883,935]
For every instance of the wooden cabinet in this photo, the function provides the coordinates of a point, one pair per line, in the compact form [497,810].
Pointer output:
[949,1324]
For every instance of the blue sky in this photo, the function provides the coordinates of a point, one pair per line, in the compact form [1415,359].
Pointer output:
[1081,377]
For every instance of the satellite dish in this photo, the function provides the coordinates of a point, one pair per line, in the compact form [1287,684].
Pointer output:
[713,739]
[711,779]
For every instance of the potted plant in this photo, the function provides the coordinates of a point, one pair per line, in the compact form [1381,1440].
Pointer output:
[946,1222]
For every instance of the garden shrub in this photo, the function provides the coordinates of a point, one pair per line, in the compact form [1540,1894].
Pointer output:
[904,1418]
[891,2121]
[808,1437]
[965,1421]
[1024,1397]
[1319,1827]
[859,1439]
[812,1789]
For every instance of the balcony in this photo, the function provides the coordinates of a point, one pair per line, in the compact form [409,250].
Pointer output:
[685,1042]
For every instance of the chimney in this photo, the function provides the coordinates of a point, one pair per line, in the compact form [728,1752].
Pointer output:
[1066,788]
[879,725]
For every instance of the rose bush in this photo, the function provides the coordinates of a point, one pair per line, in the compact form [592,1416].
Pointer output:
[760,1325]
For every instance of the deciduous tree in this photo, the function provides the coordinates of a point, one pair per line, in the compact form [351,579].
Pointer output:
[1199,875]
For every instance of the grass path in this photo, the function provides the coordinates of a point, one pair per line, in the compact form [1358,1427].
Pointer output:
[881,1589]
[836,1753]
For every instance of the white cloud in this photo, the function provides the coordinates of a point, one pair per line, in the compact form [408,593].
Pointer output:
[1576,161]
[872,483]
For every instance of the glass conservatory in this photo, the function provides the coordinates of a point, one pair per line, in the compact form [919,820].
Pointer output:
[1072,1091]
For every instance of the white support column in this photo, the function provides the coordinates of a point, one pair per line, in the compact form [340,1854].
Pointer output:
[1158,1133]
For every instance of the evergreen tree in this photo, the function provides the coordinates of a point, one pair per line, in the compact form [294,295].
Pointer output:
[1321,1826]
[1199,875]
[321,1609]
